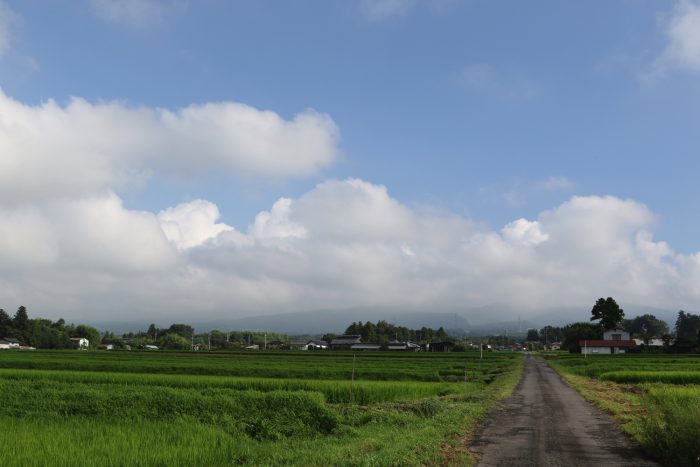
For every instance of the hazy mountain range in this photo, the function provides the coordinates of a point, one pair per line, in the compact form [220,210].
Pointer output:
[490,319]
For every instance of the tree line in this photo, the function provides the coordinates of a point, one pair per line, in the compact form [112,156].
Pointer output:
[383,332]
[44,333]
[180,336]
[683,338]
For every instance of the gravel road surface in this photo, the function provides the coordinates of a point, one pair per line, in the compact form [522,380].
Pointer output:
[547,423]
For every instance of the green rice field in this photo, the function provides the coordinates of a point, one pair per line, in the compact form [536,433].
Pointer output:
[257,408]
[655,397]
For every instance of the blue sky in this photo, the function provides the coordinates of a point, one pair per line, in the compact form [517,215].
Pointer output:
[487,111]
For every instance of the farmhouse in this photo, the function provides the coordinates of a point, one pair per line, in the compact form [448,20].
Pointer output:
[346,341]
[298,345]
[317,345]
[10,342]
[80,343]
[614,341]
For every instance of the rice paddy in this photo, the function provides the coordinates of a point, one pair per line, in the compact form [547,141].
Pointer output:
[270,408]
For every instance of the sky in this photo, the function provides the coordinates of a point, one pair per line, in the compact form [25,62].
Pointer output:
[215,159]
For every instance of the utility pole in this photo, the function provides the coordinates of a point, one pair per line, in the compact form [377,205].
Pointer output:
[352,381]
[209,348]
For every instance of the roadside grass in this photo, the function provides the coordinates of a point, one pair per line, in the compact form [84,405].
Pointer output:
[646,376]
[658,407]
[673,426]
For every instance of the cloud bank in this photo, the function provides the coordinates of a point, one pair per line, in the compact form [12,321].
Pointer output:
[69,247]
[342,244]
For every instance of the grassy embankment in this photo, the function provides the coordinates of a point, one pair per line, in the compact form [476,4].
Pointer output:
[655,398]
[254,408]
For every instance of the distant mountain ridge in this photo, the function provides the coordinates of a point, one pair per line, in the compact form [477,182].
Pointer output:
[489,319]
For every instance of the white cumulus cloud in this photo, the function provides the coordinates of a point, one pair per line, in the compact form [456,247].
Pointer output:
[50,151]
[192,224]
[524,232]
[682,50]
[343,244]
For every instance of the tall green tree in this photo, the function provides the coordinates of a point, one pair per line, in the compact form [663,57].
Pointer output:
[687,332]
[646,327]
[533,335]
[607,312]
[174,341]
[687,325]
[576,332]
[21,325]
[183,330]
[21,319]
[5,323]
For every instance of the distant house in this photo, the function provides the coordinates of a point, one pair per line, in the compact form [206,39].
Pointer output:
[345,341]
[655,342]
[252,347]
[317,345]
[614,341]
[201,347]
[150,347]
[80,343]
[11,343]
[4,345]
[555,346]
[298,345]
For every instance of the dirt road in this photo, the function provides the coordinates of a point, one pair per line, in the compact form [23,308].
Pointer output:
[547,423]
